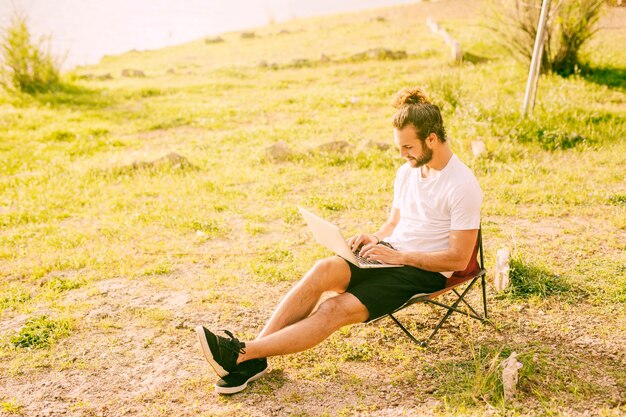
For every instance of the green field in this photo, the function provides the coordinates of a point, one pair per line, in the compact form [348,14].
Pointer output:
[110,253]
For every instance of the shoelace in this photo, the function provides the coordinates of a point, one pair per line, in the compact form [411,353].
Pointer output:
[236,342]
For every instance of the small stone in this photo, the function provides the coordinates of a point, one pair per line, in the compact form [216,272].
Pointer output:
[301,62]
[278,152]
[127,72]
[381,146]
[478,148]
[456,51]
[340,146]
[216,39]
[99,314]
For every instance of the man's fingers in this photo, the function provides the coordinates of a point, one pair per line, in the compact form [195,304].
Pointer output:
[366,250]
[360,240]
[354,242]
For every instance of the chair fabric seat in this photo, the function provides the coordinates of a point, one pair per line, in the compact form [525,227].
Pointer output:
[452,283]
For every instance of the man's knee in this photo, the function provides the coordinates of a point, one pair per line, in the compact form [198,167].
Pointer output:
[328,274]
[329,265]
[343,309]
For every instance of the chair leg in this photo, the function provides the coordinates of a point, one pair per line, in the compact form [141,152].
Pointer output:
[483,284]
[456,310]
[404,329]
[451,310]
[476,315]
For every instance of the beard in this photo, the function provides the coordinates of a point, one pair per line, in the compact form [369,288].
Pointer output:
[427,155]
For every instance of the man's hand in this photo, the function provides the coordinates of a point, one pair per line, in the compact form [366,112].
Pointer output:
[355,242]
[382,253]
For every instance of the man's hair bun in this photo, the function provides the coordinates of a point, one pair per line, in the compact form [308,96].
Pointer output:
[409,96]
[415,109]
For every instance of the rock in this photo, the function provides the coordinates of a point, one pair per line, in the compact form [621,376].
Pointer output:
[478,148]
[103,77]
[432,25]
[248,35]
[510,376]
[339,146]
[501,279]
[381,146]
[99,314]
[171,71]
[431,389]
[278,152]
[216,39]
[379,53]
[301,62]
[446,36]
[133,73]
[456,51]
[172,159]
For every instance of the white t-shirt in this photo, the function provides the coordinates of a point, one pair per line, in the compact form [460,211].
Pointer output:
[431,207]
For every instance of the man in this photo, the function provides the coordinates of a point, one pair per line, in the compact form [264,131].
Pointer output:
[431,230]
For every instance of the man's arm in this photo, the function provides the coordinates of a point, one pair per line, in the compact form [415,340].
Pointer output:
[460,248]
[384,231]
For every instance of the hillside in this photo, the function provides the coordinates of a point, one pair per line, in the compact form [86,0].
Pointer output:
[140,201]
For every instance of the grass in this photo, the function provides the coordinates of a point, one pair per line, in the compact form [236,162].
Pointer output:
[84,226]
[40,332]
[530,280]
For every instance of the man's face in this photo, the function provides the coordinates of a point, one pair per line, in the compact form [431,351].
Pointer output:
[411,148]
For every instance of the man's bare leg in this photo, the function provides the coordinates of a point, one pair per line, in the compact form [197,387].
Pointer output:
[292,327]
[331,315]
[330,274]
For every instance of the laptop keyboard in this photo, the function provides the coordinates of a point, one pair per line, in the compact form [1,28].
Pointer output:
[365,261]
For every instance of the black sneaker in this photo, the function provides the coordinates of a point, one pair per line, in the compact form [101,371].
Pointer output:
[238,379]
[222,353]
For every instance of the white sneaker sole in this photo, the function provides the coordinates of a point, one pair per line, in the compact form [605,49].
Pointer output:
[206,350]
[234,390]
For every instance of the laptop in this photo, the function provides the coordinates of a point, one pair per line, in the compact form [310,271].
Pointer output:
[330,236]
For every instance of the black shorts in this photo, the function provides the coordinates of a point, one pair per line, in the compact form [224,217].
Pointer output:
[382,290]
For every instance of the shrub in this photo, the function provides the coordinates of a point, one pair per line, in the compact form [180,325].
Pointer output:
[577,22]
[528,280]
[40,332]
[570,24]
[26,66]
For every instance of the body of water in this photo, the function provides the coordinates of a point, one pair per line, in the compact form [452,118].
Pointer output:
[82,31]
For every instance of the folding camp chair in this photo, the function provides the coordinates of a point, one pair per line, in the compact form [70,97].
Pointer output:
[469,276]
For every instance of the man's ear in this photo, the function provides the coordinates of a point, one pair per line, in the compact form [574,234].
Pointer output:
[430,140]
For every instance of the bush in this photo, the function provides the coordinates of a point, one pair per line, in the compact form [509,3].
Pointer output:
[39,332]
[528,280]
[25,66]
[577,23]
[570,24]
